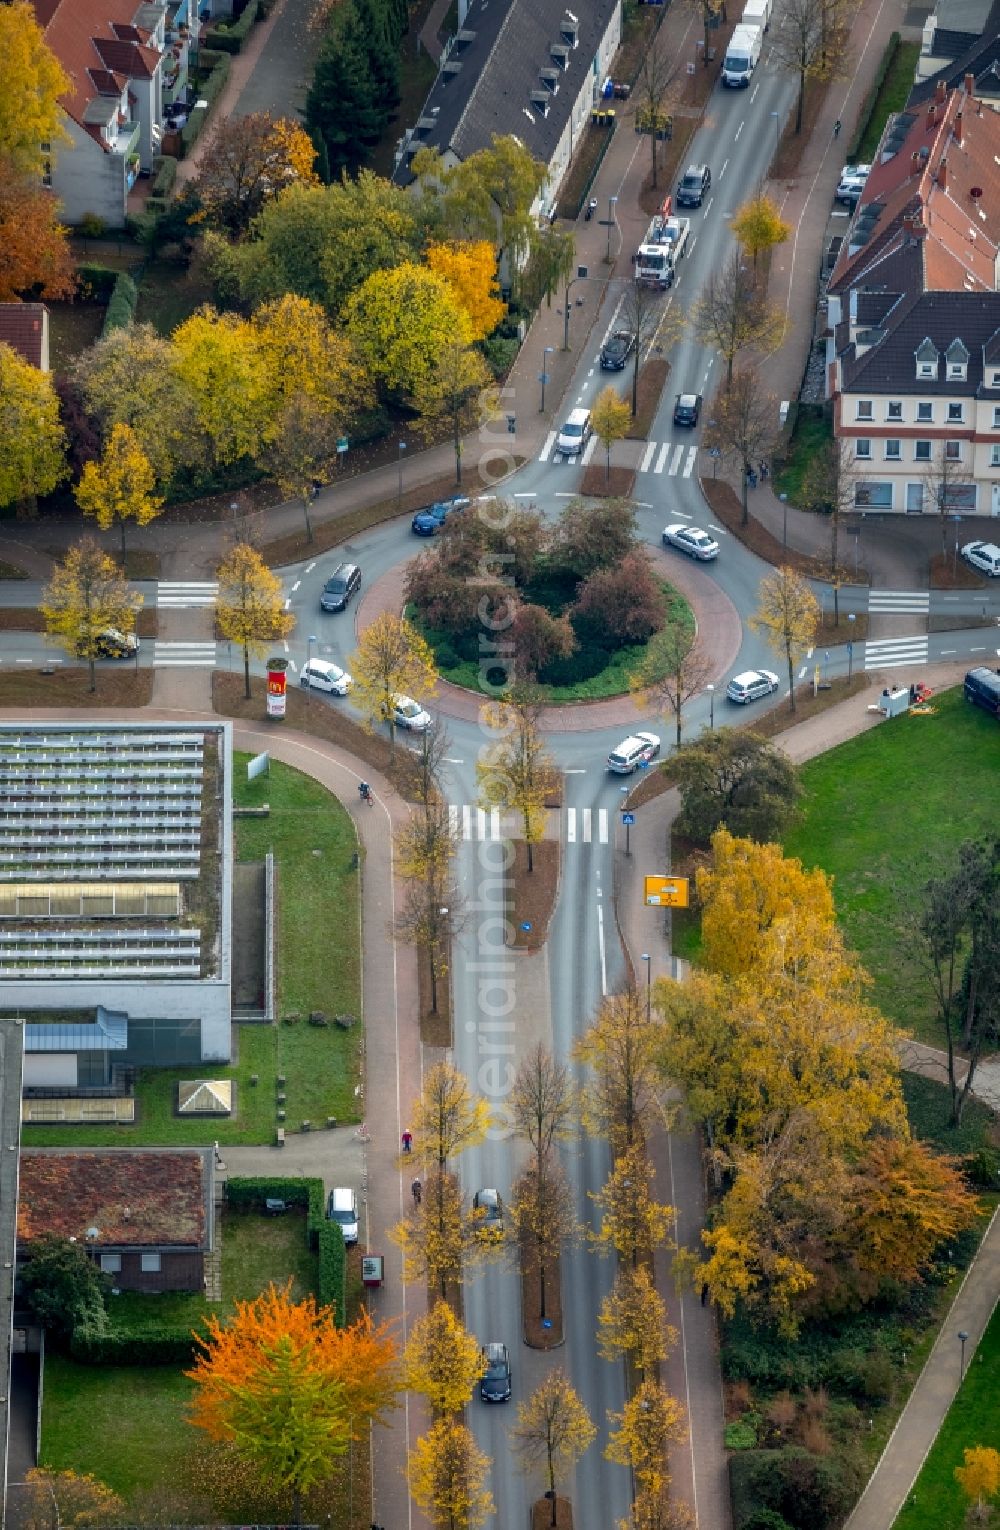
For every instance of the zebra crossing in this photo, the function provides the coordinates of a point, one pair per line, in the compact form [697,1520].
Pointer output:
[900,602]
[577,825]
[674,458]
[184,655]
[895,653]
[180,594]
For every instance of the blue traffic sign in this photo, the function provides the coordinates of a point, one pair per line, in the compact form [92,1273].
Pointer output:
[628,818]
[526,926]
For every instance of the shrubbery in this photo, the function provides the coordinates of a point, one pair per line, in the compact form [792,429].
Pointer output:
[230,38]
[806,1491]
[150,1346]
[121,308]
[96,283]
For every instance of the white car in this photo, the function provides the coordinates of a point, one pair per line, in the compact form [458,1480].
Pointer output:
[752,685]
[408,713]
[852,183]
[323,676]
[983,555]
[632,752]
[691,540]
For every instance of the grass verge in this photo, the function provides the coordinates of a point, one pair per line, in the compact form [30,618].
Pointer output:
[534,893]
[813,430]
[891,97]
[319,963]
[652,381]
[885,812]
[599,483]
[726,507]
[937,1502]
[536,1334]
[68,686]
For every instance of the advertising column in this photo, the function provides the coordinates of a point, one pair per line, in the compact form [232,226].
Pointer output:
[277,675]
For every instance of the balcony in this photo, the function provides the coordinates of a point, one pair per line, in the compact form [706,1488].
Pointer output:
[175,78]
[127,142]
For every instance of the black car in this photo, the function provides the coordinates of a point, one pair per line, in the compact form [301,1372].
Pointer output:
[616,351]
[340,588]
[691,190]
[495,1385]
[687,409]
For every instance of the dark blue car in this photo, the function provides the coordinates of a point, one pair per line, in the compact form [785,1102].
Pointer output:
[432,517]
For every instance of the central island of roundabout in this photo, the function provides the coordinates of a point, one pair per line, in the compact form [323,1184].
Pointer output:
[579,605]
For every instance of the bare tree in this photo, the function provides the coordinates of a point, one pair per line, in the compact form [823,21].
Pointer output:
[674,668]
[542,1101]
[800,45]
[733,314]
[744,427]
[830,486]
[941,483]
[647,320]
[656,73]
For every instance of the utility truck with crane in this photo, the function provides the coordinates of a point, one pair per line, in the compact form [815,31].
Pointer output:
[664,244]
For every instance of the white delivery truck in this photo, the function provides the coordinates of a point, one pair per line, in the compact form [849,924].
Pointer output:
[757,13]
[741,56]
[659,252]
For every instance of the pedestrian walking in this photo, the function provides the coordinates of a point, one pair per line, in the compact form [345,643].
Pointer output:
[763,470]
[407,1141]
[704,1295]
[417,1190]
[836,128]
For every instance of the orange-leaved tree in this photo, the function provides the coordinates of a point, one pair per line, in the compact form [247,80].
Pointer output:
[288,1389]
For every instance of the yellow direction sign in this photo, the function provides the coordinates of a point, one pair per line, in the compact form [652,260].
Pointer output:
[666,892]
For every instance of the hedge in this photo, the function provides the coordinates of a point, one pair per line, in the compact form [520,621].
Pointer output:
[245,1191]
[153,1346]
[231,40]
[166,174]
[332,1282]
[96,282]
[121,308]
[868,105]
[209,90]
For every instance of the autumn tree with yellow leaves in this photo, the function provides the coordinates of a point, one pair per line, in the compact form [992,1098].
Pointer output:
[32,439]
[470,269]
[632,1223]
[250,606]
[402,322]
[253,159]
[34,81]
[650,1421]
[437,1235]
[621,1097]
[67,1500]
[443,1361]
[87,594]
[759,226]
[447,1118]
[979,1478]
[633,1321]
[226,377]
[457,393]
[553,1428]
[541,1207]
[431,910]
[515,769]
[121,486]
[391,659]
[288,1389]
[448,1476]
[788,617]
[130,377]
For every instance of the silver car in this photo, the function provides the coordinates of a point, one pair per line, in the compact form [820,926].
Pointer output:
[691,540]
[752,685]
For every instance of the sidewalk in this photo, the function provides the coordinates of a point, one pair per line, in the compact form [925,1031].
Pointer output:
[699,1470]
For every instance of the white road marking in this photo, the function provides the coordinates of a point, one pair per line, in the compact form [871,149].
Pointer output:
[708,206]
[310,566]
[694,241]
[739,131]
[647,456]
[288,602]
[577,771]
[725,165]
[661,459]
[948,651]
[296,585]
[571,826]
[524,496]
[602,825]
[676,461]
[802,672]
[550,441]
[587,813]
[448,760]
[591,372]
[753,93]
[588,451]
[600,949]
[692,458]
[810,652]
[719,530]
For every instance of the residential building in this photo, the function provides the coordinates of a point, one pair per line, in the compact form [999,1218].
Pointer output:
[115,902]
[145,1216]
[25,328]
[127,62]
[951,31]
[913,347]
[531,69]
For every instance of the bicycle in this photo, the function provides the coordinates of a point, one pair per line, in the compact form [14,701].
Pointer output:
[417,1190]
[366,794]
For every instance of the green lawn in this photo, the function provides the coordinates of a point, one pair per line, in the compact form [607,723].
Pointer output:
[319,968]
[883,814]
[813,428]
[937,1501]
[891,97]
[126,1425]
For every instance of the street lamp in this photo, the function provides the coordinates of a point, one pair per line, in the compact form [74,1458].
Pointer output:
[235,508]
[784,519]
[777,131]
[399,491]
[581,276]
[711,706]
[962,1337]
[628,826]
[311,639]
[612,204]
[548,351]
[850,648]
[649,968]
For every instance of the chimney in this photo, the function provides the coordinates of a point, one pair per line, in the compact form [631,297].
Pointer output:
[919,229]
[958,128]
[915,162]
[931,116]
[941,92]
[970,84]
[942,175]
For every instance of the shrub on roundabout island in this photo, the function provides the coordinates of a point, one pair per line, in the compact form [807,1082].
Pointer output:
[561,602]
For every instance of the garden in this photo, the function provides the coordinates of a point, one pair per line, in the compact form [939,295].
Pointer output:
[576,610]
[318,970]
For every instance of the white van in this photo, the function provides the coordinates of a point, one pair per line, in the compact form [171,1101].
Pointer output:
[741,57]
[575,433]
[757,13]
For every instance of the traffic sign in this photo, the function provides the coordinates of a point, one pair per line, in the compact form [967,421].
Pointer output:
[526,926]
[628,818]
[666,892]
[342,444]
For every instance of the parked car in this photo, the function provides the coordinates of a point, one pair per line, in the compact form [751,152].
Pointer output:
[112,644]
[852,183]
[323,676]
[982,688]
[495,1385]
[751,685]
[691,540]
[693,186]
[342,1208]
[432,517]
[985,556]
[410,714]
[340,588]
[616,350]
[632,752]
[687,409]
